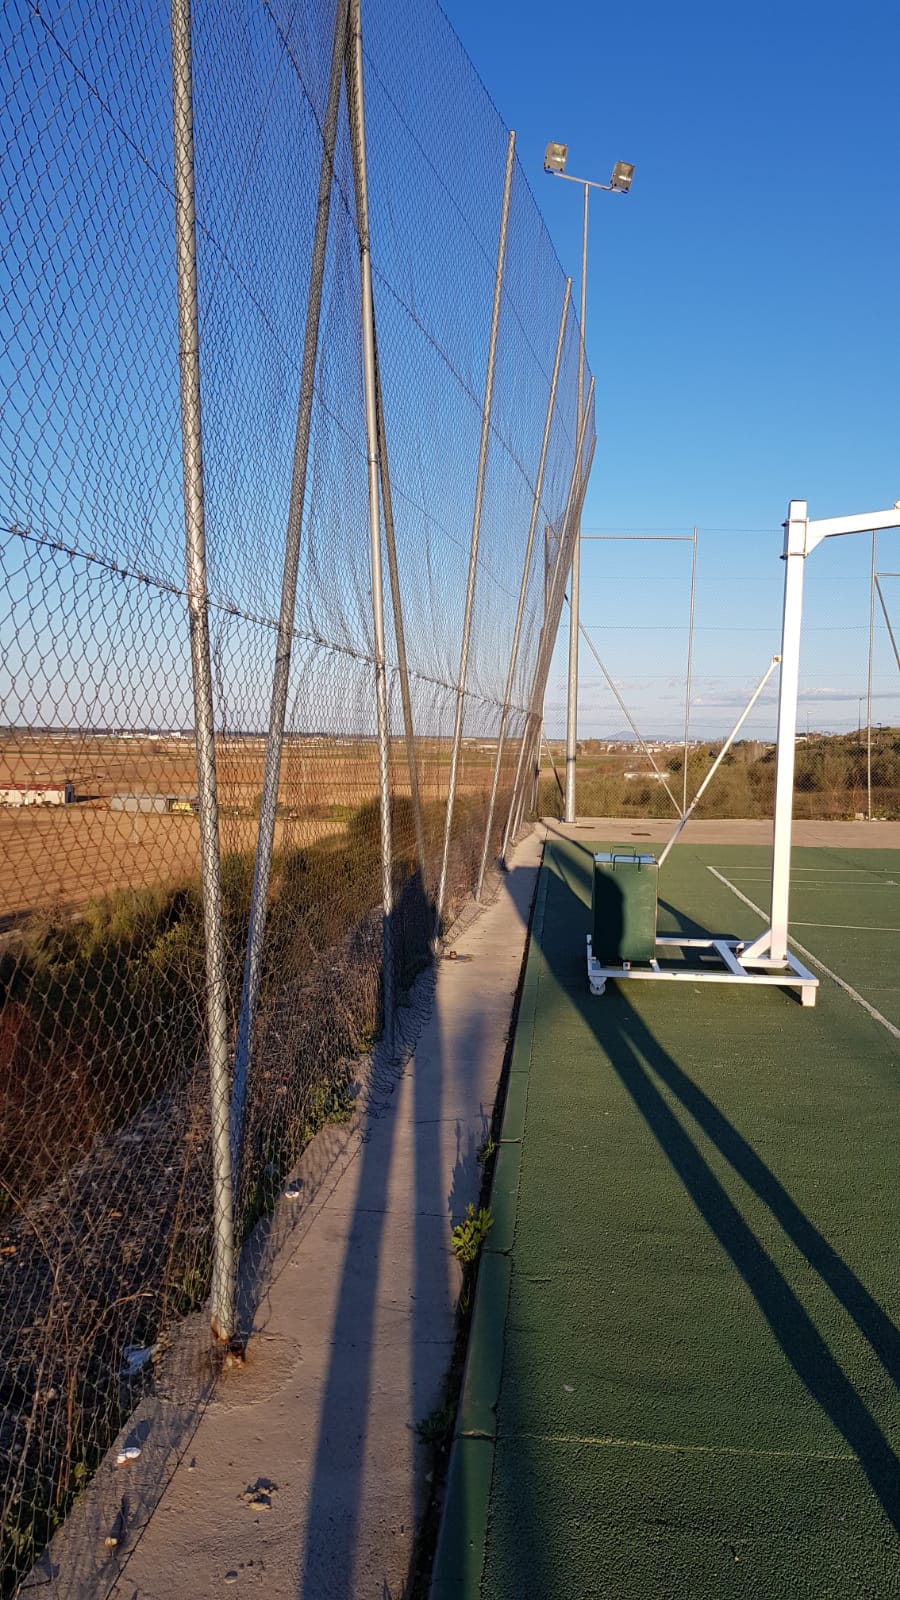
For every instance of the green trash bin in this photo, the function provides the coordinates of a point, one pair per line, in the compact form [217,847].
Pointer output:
[624,907]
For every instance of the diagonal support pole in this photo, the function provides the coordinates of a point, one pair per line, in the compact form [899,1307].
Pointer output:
[523,588]
[574,502]
[686,814]
[887,619]
[632,724]
[356,104]
[476,530]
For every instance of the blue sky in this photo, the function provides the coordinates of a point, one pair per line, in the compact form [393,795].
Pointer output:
[743,319]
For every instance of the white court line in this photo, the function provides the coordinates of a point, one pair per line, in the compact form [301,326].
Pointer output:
[862,883]
[751,868]
[849,927]
[808,956]
[819,871]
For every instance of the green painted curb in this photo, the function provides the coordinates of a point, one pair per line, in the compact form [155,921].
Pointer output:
[514,1110]
[504,1200]
[459,1557]
[484,1364]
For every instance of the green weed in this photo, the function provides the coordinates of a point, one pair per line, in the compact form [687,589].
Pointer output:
[486,1151]
[436,1429]
[468,1236]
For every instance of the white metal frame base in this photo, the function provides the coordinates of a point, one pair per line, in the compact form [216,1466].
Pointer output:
[787,974]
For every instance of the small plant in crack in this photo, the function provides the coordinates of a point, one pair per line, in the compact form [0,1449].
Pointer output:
[469,1235]
[435,1429]
[486,1151]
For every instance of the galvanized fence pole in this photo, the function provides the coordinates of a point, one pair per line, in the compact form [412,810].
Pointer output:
[574,502]
[869,682]
[575,582]
[687,687]
[222,1296]
[523,588]
[399,630]
[476,529]
[356,104]
[253,964]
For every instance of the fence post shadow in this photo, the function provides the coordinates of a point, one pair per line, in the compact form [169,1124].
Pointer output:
[396,1249]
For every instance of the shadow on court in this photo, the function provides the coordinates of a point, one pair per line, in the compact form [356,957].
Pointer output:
[695,1372]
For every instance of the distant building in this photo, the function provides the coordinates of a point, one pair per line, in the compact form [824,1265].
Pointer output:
[139,802]
[54,794]
[171,803]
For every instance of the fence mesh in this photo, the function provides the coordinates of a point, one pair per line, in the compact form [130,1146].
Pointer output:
[106,1227]
[106,1189]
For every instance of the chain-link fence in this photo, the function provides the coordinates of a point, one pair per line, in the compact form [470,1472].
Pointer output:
[282,564]
[679,626]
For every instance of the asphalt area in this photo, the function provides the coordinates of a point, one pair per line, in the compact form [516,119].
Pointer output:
[682,1375]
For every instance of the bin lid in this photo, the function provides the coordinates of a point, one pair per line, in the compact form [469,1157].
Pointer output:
[625,858]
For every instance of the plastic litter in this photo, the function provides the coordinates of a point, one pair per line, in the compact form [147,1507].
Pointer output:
[135,1357]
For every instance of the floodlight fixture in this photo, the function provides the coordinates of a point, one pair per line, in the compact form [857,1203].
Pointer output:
[555,157]
[622,174]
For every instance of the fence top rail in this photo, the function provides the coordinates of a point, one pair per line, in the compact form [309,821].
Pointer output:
[649,538]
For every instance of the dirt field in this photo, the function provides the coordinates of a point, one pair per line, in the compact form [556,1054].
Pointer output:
[61,856]
[64,855]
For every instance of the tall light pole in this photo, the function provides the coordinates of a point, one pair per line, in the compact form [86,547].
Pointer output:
[555,157]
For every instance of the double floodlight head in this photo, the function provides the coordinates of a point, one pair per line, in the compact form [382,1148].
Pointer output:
[622,174]
[556,155]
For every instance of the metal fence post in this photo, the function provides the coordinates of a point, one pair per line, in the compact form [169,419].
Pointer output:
[399,630]
[356,105]
[284,640]
[223,1267]
[687,688]
[523,589]
[869,680]
[476,529]
[574,502]
[575,584]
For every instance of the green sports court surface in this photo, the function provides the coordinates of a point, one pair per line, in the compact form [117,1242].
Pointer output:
[683,1367]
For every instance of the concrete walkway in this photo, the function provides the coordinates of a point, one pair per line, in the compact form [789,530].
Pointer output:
[304,1475]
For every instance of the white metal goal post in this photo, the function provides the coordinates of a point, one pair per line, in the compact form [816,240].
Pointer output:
[766,959]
